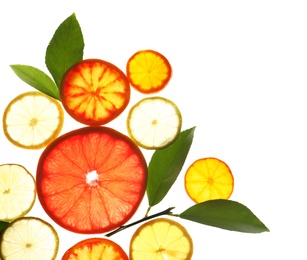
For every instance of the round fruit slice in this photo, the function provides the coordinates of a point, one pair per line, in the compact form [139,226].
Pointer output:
[161,238]
[94,92]
[32,120]
[95,248]
[91,180]
[208,179]
[154,123]
[29,238]
[148,71]
[17,192]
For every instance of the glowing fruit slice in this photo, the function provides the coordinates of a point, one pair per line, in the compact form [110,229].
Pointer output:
[148,71]
[94,92]
[32,120]
[154,123]
[160,239]
[29,238]
[96,249]
[91,180]
[17,192]
[208,179]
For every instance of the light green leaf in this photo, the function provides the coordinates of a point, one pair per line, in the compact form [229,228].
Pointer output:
[37,79]
[225,214]
[165,166]
[65,48]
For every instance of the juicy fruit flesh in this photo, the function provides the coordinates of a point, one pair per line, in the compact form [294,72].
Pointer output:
[148,71]
[95,248]
[208,179]
[17,191]
[94,92]
[91,180]
[161,239]
[29,238]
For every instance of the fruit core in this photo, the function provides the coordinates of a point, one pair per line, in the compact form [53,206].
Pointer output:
[92,178]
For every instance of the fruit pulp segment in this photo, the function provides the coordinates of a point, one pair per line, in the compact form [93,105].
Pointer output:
[75,203]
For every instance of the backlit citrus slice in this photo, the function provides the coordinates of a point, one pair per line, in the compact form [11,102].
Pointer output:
[208,179]
[154,122]
[161,239]
[94,91]
[29,238]
[91,180]
[17,192]
[95,249]
[32,120]
[148,71]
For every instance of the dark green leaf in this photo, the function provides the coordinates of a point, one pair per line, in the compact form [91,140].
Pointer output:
[3,225]
[165,166]
[65,48]
[37,79]
[225,214]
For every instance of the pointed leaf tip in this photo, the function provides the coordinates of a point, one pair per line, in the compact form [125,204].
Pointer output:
[225,214]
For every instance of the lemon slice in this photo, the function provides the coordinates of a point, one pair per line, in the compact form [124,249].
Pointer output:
[29,238]
[32,120]
[208,179]
[17,192]
[154,122]
[160,239]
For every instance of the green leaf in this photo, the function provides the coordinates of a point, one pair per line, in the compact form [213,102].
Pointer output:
[65,48]
[37,79]
[225,214]
[3,225]
[165,166]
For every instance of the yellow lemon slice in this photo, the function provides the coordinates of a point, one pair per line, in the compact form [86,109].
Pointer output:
[154,122]
[32,120]
[17,192]
[29,238]
[208,179]
[161,239]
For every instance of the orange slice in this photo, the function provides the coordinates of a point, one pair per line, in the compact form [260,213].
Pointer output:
[160,239]
[32,120]
[148,71]
[17,192]
[94,92]
[91,180]
[95,248]
[208,179]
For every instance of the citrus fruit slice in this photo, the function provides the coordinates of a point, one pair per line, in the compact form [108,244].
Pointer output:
[32,120]
[94,91]
[148,71]
[17,192]
[208,179]
[154,122]
[161,238]
[96,249]
[29,238]
[91,180]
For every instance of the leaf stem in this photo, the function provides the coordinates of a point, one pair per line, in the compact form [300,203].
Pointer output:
[164,212]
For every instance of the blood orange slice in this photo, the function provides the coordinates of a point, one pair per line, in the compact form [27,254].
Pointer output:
[95,248]
[91,180]
[94,91]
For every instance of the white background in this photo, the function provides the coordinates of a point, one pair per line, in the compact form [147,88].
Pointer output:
[239,76]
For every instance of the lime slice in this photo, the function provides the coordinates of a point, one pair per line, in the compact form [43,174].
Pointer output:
[32,120]
[160,239]
[17,192]
[29,238]
[154,122]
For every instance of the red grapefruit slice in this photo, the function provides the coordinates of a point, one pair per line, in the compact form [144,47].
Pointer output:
[91,180]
